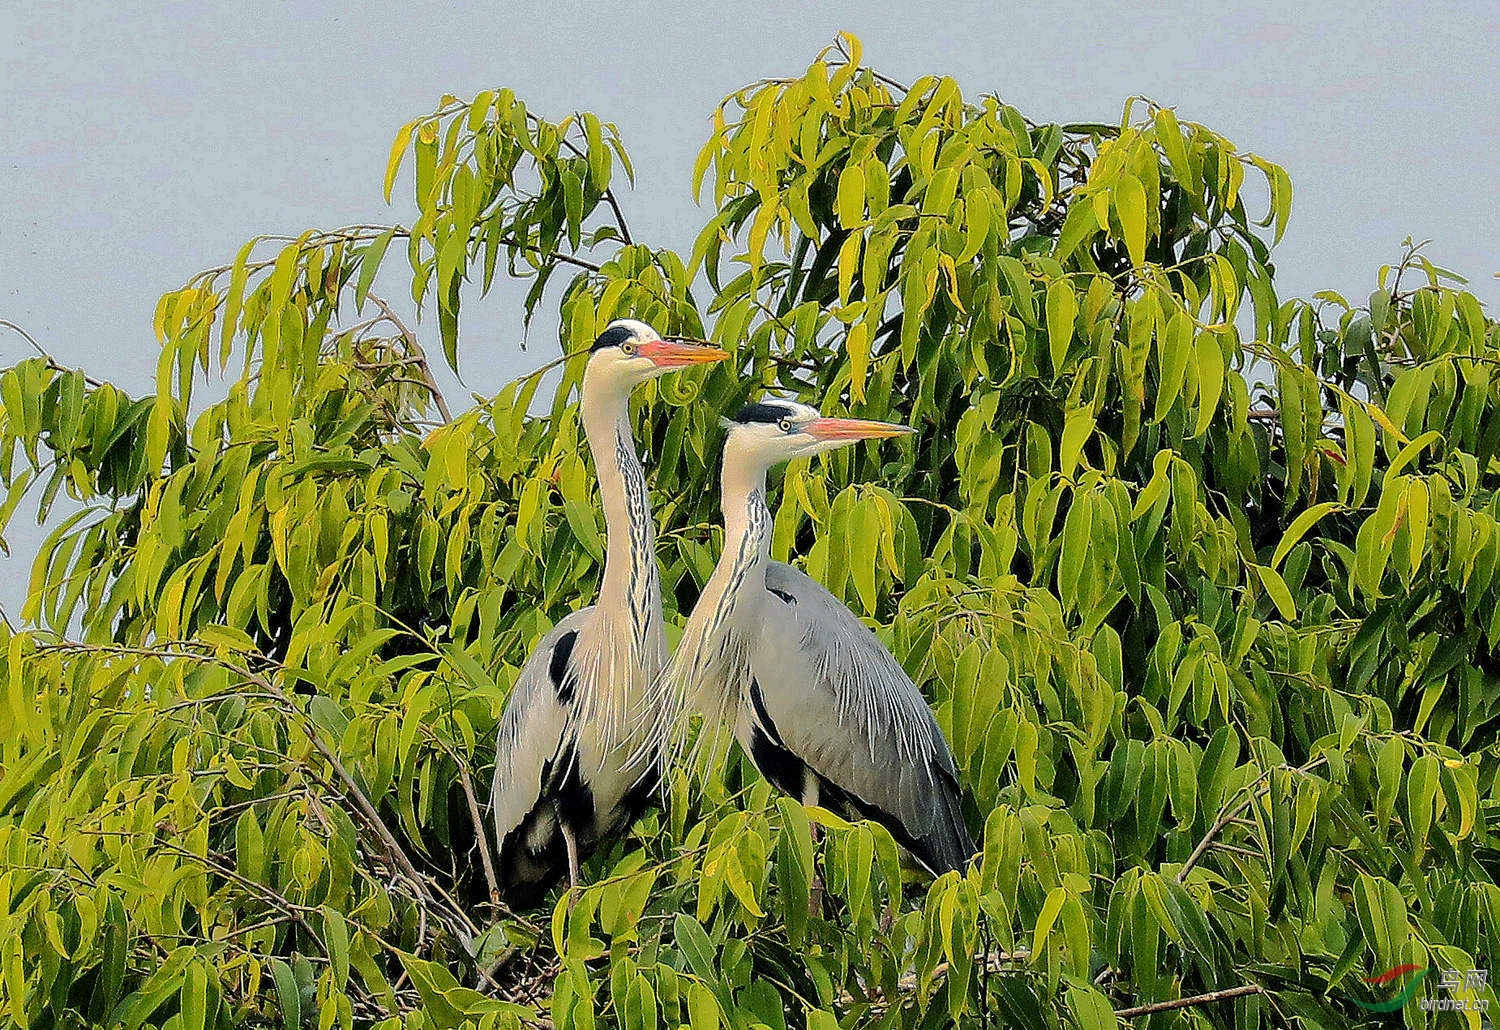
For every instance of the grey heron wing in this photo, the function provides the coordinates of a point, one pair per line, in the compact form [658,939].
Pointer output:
[533,726]
[844,706]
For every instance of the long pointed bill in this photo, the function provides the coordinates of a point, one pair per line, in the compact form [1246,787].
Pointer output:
[665,354]
[851,429]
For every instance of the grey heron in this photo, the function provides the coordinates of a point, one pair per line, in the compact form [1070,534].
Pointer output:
[566,774]
[818,703]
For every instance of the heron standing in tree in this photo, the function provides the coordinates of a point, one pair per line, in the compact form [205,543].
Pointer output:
[567,773]
[819,704]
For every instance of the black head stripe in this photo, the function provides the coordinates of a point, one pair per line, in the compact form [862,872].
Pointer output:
[768,412]
[612,337]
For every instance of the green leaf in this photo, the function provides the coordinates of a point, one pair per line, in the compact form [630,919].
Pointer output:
[1019,283]
[1277,589]
[1388,765]
[573,203]
[864,540]
[1076,545]
[1210,380]
[1130,206]
[1382,917]
[336,936]
[398,151]
[288,995]
[1062,311]
[851,197]
[703,1008]
[1169,138]
[740,885]
[693,941]
[1089,1009]
[1045,918]
[369,264]
[1079,226]
[1175,345]
[1421,794]
[1304,521]
[1408,454]
[192,998]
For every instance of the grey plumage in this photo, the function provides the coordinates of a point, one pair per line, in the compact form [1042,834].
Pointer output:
[816,700]
[842,704]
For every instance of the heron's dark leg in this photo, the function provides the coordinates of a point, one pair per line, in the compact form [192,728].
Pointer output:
[815,888]
[571,843]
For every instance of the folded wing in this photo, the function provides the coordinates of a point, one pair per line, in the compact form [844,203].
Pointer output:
[826,693]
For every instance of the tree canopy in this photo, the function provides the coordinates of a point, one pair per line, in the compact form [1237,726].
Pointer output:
[1200,581]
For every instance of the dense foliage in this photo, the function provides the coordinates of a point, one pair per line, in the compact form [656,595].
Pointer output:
[1217,659]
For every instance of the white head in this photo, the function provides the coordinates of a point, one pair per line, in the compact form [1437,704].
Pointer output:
[769,432]
[628,353]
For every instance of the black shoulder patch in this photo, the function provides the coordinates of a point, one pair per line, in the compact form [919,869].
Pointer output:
[562,683]
[771,756]
[758,702]
[611,337]
[788,598]
[763,411]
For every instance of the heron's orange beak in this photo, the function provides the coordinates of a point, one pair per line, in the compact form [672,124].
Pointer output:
[853,429]
[664,354]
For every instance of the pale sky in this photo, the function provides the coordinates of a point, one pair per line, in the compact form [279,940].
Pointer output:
[144,141]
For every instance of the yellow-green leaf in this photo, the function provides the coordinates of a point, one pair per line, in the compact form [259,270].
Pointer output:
[1130,207]
[1062,311]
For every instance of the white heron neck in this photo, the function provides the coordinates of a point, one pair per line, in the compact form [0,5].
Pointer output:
[630,581]
[747,517]
[747,549]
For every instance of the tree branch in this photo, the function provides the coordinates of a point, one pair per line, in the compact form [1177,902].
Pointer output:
[1231,815]
[569,259]
[419,355]
[479,831]
[52,362]
[427,893]
[608,195]
[1183,1003]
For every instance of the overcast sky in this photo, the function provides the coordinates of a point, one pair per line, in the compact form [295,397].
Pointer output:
[145,141]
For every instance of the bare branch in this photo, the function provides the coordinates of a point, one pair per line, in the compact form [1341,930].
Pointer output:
[410,339]
[608,195]
[474,813]
[1232,815]
[1183,1003]
[52,362]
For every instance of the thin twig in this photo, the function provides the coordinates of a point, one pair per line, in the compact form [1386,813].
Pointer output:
[992,962]
[420,355]
[479,831]
[1217,846]
[52,362]
[290,909]
[569,259]
[1183,1003]
[1230,815]
[7,324]
[838,44]
[608,195]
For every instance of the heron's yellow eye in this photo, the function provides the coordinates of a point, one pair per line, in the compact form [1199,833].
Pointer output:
[628,349]
[786,425]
